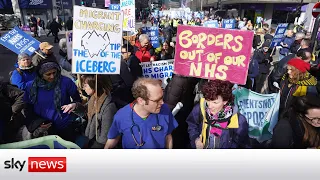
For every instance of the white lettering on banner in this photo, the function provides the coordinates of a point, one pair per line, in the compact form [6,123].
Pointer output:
[21,43]
[15,39]
[161,70]
[36,2]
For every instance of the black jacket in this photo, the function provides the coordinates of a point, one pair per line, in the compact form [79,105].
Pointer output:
[55,27]
[277,73]
[264,60]
[134,66]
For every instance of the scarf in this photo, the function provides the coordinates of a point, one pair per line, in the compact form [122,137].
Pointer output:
[93,104]
[41,83]
[302,85]
[219,121]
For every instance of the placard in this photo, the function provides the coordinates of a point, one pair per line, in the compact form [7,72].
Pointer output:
[153,33]
[97,38]
[279,34]
[19,42]
[229,23]
[129,19]
[211,23]
[161,70]
[213,53]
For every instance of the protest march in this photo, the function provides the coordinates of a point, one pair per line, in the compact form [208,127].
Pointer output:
[120,78]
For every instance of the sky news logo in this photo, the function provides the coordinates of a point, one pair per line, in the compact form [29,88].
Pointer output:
[38,164]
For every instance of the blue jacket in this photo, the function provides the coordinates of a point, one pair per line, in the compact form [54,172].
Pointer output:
[45,108]
[230,138]
[21,78]
[289,41]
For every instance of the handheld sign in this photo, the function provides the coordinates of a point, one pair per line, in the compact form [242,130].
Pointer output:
[97,38]
[277,38]
[153,33]
[19,42]
[161,70]
[213,53]
[129,19]
[229,23]
[114,7]
[260,110]
[211,23]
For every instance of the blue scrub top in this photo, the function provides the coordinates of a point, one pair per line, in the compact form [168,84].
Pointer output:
[153,139]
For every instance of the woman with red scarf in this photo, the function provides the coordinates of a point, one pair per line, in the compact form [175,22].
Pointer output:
[143,49]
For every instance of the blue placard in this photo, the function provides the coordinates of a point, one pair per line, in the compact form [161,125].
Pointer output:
[211,23]
[35,4]
[229,23]
[114,7]
[19,42]
[277,38]
[153,33]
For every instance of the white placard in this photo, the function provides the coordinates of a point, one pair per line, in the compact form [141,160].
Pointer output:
[97,38]
[129,15]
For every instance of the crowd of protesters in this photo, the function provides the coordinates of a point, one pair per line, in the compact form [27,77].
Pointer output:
[129,111]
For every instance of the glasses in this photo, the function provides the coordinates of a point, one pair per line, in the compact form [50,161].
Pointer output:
[157,101]
[312,119]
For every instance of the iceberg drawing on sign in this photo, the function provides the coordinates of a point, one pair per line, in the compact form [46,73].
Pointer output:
[95,43]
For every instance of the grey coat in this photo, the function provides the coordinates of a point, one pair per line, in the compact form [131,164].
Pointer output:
[105,119]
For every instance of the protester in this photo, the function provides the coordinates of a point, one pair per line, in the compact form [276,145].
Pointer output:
[215,123]
[146,123]
[181,89]
[166,52]
[46,52]
[40,26]
[297,82]
[253,72]
[69,24]
[45,95]
[296,44]
[24,72]
[132,61]
[264,58]
[33,25]
[299,126]
[64,62]
[143,49]
[286,44]
[167,32]
[11,114]
[100,102]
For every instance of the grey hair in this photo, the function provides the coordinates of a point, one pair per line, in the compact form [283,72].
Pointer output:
[300,35]
[63,43]
[143,37]
[22,56]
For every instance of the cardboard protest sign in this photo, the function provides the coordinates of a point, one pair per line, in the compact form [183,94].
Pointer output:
[19,42]
[97,38]
[129,19]
[69,44]
[260,110]
[153,33]
[213,53]
[229,23]
[158,70]
[279,34]
[115,7]
[211,23]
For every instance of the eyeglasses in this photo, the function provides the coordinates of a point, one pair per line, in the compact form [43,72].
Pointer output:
[157,101]
[312,119]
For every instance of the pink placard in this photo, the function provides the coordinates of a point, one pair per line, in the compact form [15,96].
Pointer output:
[213,53]
[106,3]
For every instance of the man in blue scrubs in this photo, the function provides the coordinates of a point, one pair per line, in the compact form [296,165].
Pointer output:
[147,123]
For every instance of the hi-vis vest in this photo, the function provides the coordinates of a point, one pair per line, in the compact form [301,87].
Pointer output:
[191,23]
[175,23]
[205,133]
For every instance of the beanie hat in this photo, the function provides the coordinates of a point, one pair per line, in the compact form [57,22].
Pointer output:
[299,64]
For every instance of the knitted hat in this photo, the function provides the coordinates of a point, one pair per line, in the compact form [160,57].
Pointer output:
[299,64]
[47,67]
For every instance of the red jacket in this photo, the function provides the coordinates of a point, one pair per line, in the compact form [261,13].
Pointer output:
[142,53]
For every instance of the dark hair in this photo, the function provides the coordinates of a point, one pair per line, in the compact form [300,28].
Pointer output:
[104,83]
[212,89]
[302,53]
[129,46]
[297,110]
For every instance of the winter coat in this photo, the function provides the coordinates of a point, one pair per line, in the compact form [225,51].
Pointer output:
[55,27]
[104,118]
[286,50]
[142,53]
[230,138]
[264,60]
[37,58]
[20,77]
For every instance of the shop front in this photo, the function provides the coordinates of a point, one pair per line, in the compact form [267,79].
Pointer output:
[39,8]
[252,11]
